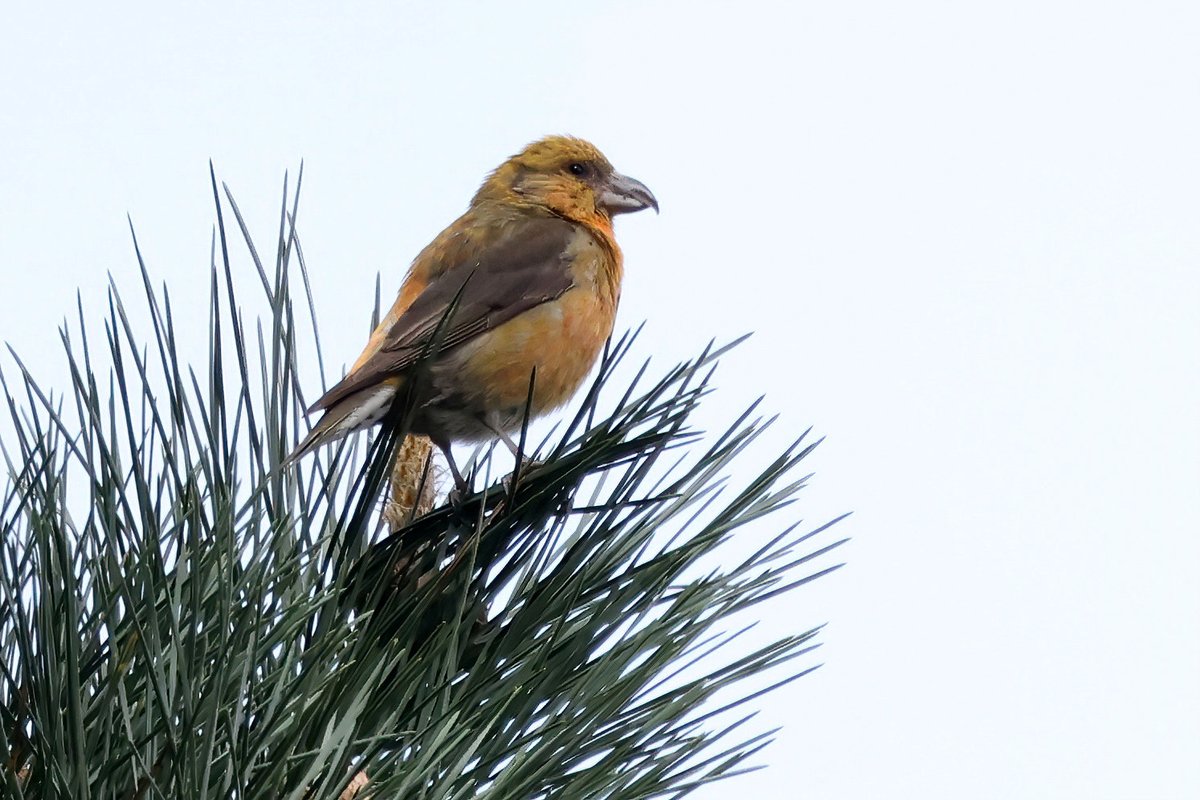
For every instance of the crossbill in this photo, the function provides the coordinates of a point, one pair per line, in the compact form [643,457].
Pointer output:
[506,308]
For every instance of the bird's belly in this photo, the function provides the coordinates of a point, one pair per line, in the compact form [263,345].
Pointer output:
[557,343]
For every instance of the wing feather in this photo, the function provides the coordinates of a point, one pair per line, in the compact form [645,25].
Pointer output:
[529,264]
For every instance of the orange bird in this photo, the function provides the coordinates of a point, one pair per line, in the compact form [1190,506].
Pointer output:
[532,273]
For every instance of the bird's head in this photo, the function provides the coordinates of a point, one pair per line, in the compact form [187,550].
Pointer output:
[569,177]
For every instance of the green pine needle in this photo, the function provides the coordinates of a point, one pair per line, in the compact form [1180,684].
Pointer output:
[182,617]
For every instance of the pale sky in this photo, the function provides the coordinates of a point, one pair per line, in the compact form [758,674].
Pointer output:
[966,235]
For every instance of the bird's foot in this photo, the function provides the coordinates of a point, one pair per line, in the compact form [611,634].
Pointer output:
[522,470]
[458,495]
[463,489]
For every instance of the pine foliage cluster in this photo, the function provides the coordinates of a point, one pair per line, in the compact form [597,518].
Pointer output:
[181,617]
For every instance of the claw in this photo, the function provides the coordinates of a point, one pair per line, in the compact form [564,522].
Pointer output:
[526,465]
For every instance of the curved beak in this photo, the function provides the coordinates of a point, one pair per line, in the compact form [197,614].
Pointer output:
[622,194]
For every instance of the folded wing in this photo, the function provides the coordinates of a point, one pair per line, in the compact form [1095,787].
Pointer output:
[528,264]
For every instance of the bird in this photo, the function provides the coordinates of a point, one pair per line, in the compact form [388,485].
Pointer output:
[502,316]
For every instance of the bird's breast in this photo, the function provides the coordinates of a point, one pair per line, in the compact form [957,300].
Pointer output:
[558,342]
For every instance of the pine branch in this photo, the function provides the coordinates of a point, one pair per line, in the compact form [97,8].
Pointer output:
[183,617]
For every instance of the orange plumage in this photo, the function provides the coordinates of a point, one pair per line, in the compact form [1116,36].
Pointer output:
[533,273]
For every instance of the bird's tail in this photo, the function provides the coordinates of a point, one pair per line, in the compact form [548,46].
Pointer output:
[357,412]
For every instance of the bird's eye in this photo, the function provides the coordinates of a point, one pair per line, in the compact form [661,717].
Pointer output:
[578,169]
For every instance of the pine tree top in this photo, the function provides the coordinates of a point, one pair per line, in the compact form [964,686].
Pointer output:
[184,618]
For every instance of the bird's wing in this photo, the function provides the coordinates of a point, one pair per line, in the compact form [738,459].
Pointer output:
[527,265]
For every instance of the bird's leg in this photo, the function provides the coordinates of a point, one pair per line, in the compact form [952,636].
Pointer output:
[461,487]
[512,446]
[523,462]
[504,437]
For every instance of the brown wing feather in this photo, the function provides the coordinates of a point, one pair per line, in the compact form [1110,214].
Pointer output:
[527,266]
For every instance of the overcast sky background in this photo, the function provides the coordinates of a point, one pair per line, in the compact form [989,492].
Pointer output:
[966,235]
